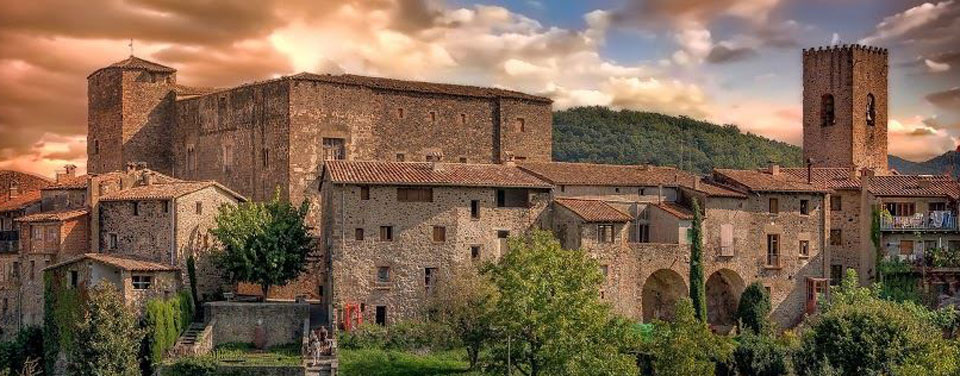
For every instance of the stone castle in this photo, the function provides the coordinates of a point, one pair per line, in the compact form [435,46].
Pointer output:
[409,180]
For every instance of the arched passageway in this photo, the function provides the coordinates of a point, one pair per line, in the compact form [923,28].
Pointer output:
[723,295]
[661,291]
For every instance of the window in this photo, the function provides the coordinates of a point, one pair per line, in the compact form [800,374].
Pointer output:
[605,233]
[836,274]
[227,157]
[827,117]
[199,208]
[53,234]
[474,251]
[938,206]
[836,203]
[513,198]
[463,159]
[773,250]
[166,206]
[191,158]
[640,232]
[901,209]
[386,233]
[37,233]
[429,278]
[381,315]
[400,113]
[383,274]
[141,282]
[265,157]
[836,237]
[33,266]
[774,206]
[433,116]
[474,209]
[871,114]
[804,248]
[364,193]
[136,207]
[400,157]
[521,125]
[415,194]
[463,118]
[74,278]
[804,207]
[112,241]
[333,149]
[605,270]
[358,234]
[906,247]
[726,240]
[96,146]
[439,234]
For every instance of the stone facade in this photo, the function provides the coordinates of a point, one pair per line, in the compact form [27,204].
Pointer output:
[233,322]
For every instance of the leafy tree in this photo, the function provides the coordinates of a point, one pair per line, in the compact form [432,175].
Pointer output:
[192,275]
[698,292]
[858,333]
[754,308]
[107,335]
[761,355]
[464,303]
[26,346]
[548,308]
[686,346]
[263,243]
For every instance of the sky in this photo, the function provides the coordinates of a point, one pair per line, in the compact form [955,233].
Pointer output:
[726,61]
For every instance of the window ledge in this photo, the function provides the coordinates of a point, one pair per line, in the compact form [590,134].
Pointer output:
[772,267]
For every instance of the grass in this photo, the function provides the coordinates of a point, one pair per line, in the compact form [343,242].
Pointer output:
[402,363]
[245,354]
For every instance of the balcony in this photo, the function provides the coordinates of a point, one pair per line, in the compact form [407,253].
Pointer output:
[932,221]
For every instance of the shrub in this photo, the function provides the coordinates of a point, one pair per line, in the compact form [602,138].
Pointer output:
[685,346]
[192,366]
[407,335]
[366,336]
[754,308]
[761,355]
[164,320]
[28,344]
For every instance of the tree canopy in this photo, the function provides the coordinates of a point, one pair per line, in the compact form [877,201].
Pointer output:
[108,336]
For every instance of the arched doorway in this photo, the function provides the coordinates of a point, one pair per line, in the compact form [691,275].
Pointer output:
[661,291]
[723,295]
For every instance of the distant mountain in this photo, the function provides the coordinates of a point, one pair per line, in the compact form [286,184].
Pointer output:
[602,135]
[947,163]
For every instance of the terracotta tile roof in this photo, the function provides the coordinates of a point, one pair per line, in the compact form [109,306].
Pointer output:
[70,182]
[122,262]
[594,174]
[164,191]
[81,182]
[676,210]
[915,186]
[426,173]
[826,177]
[53,216]
[417,86]
[24,182]
[134,62]
[20,202]
[762,181]
[593,210]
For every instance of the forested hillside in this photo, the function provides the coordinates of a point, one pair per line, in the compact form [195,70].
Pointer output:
[602,135]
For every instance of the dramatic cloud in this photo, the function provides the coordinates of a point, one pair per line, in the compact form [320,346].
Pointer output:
[724,54]
[927,23]
[915,140]
[947,99]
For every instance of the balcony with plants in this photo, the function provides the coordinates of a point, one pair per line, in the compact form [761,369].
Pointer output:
[938,220]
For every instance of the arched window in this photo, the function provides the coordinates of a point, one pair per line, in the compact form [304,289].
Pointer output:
[827,117]
[871,110]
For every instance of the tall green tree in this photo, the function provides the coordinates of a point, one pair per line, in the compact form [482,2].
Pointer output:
[686,346]
[265,243]
[754,307]
[698,292]
[463,302]
[107,337]
[549,313]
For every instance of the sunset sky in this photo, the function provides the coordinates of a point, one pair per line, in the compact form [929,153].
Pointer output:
[726,61]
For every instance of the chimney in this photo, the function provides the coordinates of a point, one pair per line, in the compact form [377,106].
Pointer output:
[773,168]
[141,165]
[924,183]
[130,167]
[148,179]
[809,170]
[71,170]
[14,190]
[854,173]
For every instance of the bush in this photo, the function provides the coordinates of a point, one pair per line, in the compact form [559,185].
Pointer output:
[192,366]
[27,345]
[365,336]
[164,320]
[409,335]
[754,308]
[761,355]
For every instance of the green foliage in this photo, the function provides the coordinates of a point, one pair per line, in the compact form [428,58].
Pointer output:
[548,305]
[192,366]
[265,243]
[943,258]
[754,308]
[407,336]
[698,288]
[63,308]
[875,232]
[858,333]
[374,362]
[602,135]
[107,337]
[686,346]
[164,320]
[761,355]
[463,302]
[192,275]
[26,346]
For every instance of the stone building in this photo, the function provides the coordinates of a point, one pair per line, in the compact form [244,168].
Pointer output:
[137,280]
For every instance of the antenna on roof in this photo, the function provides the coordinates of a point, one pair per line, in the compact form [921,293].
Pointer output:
[131,47]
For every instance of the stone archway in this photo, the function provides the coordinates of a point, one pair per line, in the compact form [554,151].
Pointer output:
[661,291]
[723,295]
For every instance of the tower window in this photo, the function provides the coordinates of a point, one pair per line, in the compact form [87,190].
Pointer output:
[400,113]
[521,125]
[827,115]
[871,110]
[433,116]
[96,146]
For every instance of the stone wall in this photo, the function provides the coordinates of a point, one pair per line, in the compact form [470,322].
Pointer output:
[192,235]
[235,322]
[146,236]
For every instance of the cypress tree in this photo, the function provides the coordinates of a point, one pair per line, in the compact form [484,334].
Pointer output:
[698,293]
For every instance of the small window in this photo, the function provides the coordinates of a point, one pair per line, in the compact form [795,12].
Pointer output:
[265,157]
[804,248]
[112,240]
[33,267]
[439,234]
[503,234]
[836,274]
[199,208]
[136,207]
[773,250]
[429,278]
[836,237]
[836,203]
[871,114]
[37,233]
[463,118]
[827,115]
[521,125]
[805,207]
[381,315]
[463,159]
[433,116]
[96,146]
[364,193]
[605,270]
[474,251]
[605,233]
[415,194]
[358,234]
[774,206]
[74,278]
[938,206]
[901,209]
[400,113]
[383,274]
[386,233]
[474,209]
[906,247]
[141,282]
[513,198]
[227,158]
[401,157]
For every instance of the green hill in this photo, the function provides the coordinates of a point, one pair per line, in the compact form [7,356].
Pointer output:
[602,135]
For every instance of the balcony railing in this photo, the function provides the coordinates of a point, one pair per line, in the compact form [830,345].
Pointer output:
[932,221]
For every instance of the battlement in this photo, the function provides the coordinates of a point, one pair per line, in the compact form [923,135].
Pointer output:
[844,47]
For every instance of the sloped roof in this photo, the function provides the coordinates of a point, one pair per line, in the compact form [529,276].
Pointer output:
[24,182]
[134,62]
[418,86]
[826,177]
[915,186]
[165,191]
[595,174]
[70,182]
[762,181]
[53,216]
[20,202]
[593,210]
[431,174]
[122,262]
[676,210]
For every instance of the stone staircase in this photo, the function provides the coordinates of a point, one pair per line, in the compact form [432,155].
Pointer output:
[196,340]
[326,367]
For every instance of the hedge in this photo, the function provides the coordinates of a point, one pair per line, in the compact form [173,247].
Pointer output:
[164,320]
